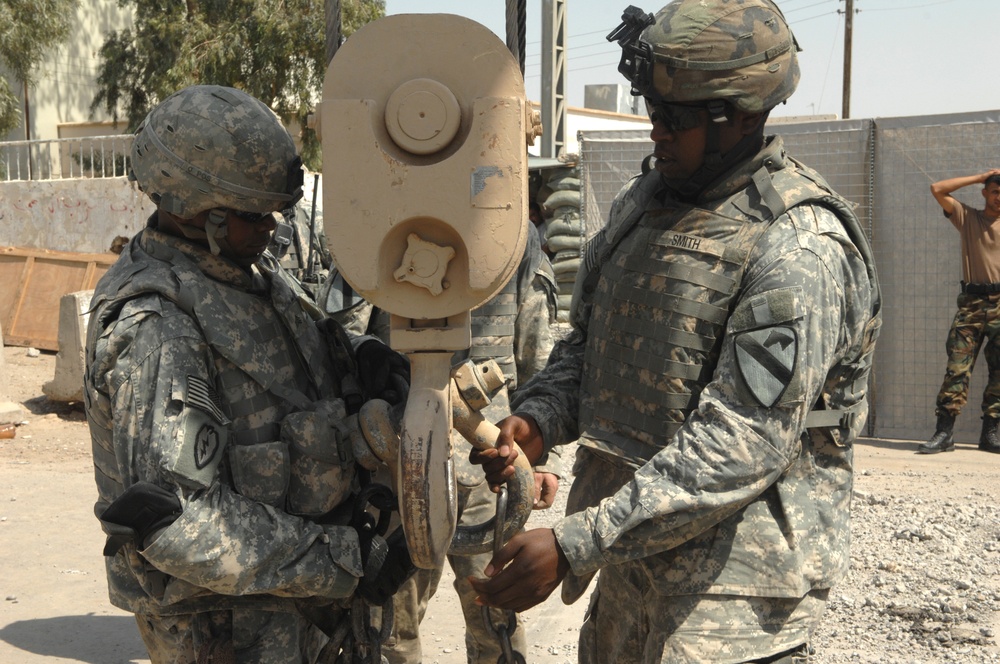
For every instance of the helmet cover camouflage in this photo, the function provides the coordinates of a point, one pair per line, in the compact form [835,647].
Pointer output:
[740,51]
[209,146]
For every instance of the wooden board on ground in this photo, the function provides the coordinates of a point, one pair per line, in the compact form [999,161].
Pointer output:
[33,281]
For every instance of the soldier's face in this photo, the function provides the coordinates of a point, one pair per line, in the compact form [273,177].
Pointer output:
[991,193]
[248,235]
[679,154]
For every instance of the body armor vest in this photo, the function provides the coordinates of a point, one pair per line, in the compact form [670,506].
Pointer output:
[269,359]
[493,331]
[659,304]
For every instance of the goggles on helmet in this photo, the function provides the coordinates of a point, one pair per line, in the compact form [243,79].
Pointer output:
[637,60]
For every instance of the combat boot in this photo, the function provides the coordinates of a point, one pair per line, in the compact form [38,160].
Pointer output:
[942,440]
[989,439]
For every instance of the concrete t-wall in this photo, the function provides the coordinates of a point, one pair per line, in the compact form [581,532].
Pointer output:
[78,215]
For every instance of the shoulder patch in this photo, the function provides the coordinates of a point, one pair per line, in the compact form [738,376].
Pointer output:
[766,358]
[202,395]
[206,445]
[202,434]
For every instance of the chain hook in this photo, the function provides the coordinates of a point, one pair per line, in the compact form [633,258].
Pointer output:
[503,632]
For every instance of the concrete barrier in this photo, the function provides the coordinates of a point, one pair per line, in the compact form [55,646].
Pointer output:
[67,385]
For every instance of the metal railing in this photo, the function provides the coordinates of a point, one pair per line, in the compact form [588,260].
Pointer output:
[65,158]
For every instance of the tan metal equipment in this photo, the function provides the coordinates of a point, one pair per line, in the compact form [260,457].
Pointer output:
[423,124]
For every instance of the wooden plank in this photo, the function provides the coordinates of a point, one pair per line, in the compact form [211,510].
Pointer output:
[30,312]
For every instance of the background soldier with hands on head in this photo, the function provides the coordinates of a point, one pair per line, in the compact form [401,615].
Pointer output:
[724,323]
[219,406]
[978,316]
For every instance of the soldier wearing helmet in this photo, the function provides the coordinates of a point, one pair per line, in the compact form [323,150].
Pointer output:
[724,323]
[220,403]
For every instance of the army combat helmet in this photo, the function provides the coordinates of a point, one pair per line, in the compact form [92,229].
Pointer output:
[209,147]
[741,52]
[710,56]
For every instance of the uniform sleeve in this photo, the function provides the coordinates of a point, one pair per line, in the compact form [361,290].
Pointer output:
[222,541]
[533,338]
[959,214]
[806,300]
[551,397]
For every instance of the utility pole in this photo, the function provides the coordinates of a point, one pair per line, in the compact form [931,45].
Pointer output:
[848,39]
[553,77]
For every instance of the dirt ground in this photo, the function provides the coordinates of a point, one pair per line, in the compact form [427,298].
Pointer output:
[55,606]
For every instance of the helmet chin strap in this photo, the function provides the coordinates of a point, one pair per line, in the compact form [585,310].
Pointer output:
[214,233]
[215,230]
[715,163]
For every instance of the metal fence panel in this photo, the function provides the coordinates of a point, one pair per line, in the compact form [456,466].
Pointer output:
[65,158]
[919,263]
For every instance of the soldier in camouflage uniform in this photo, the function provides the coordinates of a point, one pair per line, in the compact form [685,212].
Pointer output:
[977,319]
[724,323]
[299,244]
[515,329]
[218,405]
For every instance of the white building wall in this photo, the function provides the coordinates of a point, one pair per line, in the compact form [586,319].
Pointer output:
[66,80]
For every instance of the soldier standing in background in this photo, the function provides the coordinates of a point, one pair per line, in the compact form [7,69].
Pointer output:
[214,396]
[514,328]
[978,316]
[724,323]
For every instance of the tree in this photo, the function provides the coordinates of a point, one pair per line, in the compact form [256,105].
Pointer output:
[272,49]
[28,28]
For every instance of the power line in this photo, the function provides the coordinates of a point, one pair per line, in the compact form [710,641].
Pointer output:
[828,62]
[815,4]
[805,20]
[896,9]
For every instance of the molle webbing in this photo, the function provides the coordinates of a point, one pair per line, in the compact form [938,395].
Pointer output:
[493,330]
[660,305]
[651,350]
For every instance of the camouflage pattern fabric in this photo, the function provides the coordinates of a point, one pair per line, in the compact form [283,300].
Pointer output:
[193,363]
[977,320]
[251,171]
[736,50]
[727,507]
[305,256]
[247,637]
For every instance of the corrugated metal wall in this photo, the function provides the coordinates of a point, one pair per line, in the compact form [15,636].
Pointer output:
[886,167]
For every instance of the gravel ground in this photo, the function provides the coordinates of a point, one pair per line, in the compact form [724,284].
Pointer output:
[923,580]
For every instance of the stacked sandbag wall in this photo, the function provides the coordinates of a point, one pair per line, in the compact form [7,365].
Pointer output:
[560,197]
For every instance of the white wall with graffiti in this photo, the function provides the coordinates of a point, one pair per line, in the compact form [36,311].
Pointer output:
[81,215]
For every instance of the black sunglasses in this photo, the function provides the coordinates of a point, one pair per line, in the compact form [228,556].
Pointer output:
[249,217]
[674,117]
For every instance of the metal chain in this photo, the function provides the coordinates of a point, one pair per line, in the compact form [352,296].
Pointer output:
[368,639]
[503,632]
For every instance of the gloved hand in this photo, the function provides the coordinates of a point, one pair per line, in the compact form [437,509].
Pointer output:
[383,372]
[142,510]
[386,563]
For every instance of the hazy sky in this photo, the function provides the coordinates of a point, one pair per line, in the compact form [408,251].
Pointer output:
[910,57]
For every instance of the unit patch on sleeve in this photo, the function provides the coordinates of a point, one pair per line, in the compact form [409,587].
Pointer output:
[766,358]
